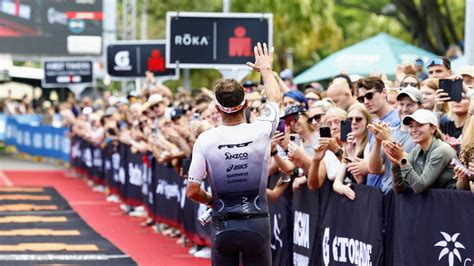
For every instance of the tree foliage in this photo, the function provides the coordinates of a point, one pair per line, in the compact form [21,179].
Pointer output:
[313,29]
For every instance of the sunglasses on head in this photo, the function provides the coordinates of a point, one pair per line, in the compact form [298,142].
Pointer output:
[438,61]
[368,96]
[406,84]
[357,119]
[316,118]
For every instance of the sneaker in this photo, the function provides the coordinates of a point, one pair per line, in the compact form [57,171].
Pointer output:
[204,253]
[138,212]
[193,250]
[98,188]
[125,208]
[113,198]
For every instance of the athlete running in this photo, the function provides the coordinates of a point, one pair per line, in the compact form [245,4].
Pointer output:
[234,158]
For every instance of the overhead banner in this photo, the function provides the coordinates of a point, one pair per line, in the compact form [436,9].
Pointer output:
[134,59]
[51,28]
[66,72]
[215,40]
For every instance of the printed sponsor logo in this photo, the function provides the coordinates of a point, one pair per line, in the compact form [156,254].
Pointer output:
[451,247]
[190,40]
[301,229]
[345,249]
[236,167]
[238,174]
[231,146]
[240,156]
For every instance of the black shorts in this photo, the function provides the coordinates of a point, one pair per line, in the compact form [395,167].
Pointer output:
[248,238]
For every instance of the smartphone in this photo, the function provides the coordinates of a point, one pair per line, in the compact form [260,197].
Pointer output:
[456,162]
[295,138]
[324,132]
[347,159]
[346,128]
[453,88]
[281,126]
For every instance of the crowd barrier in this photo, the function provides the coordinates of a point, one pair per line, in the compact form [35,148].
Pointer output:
[308,227]
[3,125]
[25,133]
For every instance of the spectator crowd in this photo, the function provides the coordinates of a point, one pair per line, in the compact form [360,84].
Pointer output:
[390,134]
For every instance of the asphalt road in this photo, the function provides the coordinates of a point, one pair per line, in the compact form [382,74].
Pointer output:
[10,162]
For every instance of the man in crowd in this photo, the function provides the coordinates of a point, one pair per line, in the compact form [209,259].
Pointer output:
[373,95]
[439,67]
[235,157]
[340,91]
[409,100]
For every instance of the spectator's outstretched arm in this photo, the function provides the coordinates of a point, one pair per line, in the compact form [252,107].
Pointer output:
[263,64]
[317,170]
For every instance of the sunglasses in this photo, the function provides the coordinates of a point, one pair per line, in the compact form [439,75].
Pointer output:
[292,117]
[153,107]
[251,109]
[357,119]
[368,96]
[406,84]
[312,99]
[438,61]
[316,118]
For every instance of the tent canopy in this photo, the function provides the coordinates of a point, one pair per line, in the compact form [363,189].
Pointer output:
[381,53]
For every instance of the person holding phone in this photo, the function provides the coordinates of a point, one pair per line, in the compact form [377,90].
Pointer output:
[428,164]
[326,161]
[408,101]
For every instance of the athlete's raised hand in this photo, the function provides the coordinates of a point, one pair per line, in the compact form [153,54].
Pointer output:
[263,58]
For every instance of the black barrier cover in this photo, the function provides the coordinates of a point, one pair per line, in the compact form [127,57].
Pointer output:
[130,60]
[45,27]
[350,232]
[201,42]
[433,228]
[305,225]
[60,73]
[281,215]
[135,177]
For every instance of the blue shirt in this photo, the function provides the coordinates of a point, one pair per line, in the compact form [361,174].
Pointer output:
[377,180]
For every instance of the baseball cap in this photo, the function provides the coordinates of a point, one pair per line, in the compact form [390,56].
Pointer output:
[412,92]
[110,111]
[421,116]
[286,74]
[294,109]
[132,94]
[153,99]
[419,61]
[466,70]
[176,113]
[87,110]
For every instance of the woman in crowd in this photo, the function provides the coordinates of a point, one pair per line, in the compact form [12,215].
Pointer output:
[429,90]
[465,182]
[355,150]
[427,165]
[326,162]
[294,97]
[410,80]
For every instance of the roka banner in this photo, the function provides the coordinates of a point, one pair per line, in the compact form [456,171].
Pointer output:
[214,40]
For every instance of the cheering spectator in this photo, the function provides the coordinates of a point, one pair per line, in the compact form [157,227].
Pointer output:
[294,97]
[410,80]
[427,165]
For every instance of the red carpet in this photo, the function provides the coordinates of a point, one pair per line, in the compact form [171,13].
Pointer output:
[142,244]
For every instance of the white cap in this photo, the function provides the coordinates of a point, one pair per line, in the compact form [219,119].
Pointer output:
[412,92]
[421,116]
[87,110]
[466,70]
[153,99]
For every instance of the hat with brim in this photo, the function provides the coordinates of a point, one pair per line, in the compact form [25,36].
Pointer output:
[412,92]
[293,110]
[467,70]
[152,100]
[421,116]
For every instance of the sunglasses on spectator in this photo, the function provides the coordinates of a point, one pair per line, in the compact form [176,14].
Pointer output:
[368,96]
[316,118]
[312,99]
[406,84]
[357,119]
[153,107]
[292,117]
[251,109]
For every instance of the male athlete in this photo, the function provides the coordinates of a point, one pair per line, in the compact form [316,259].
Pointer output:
[234,158]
